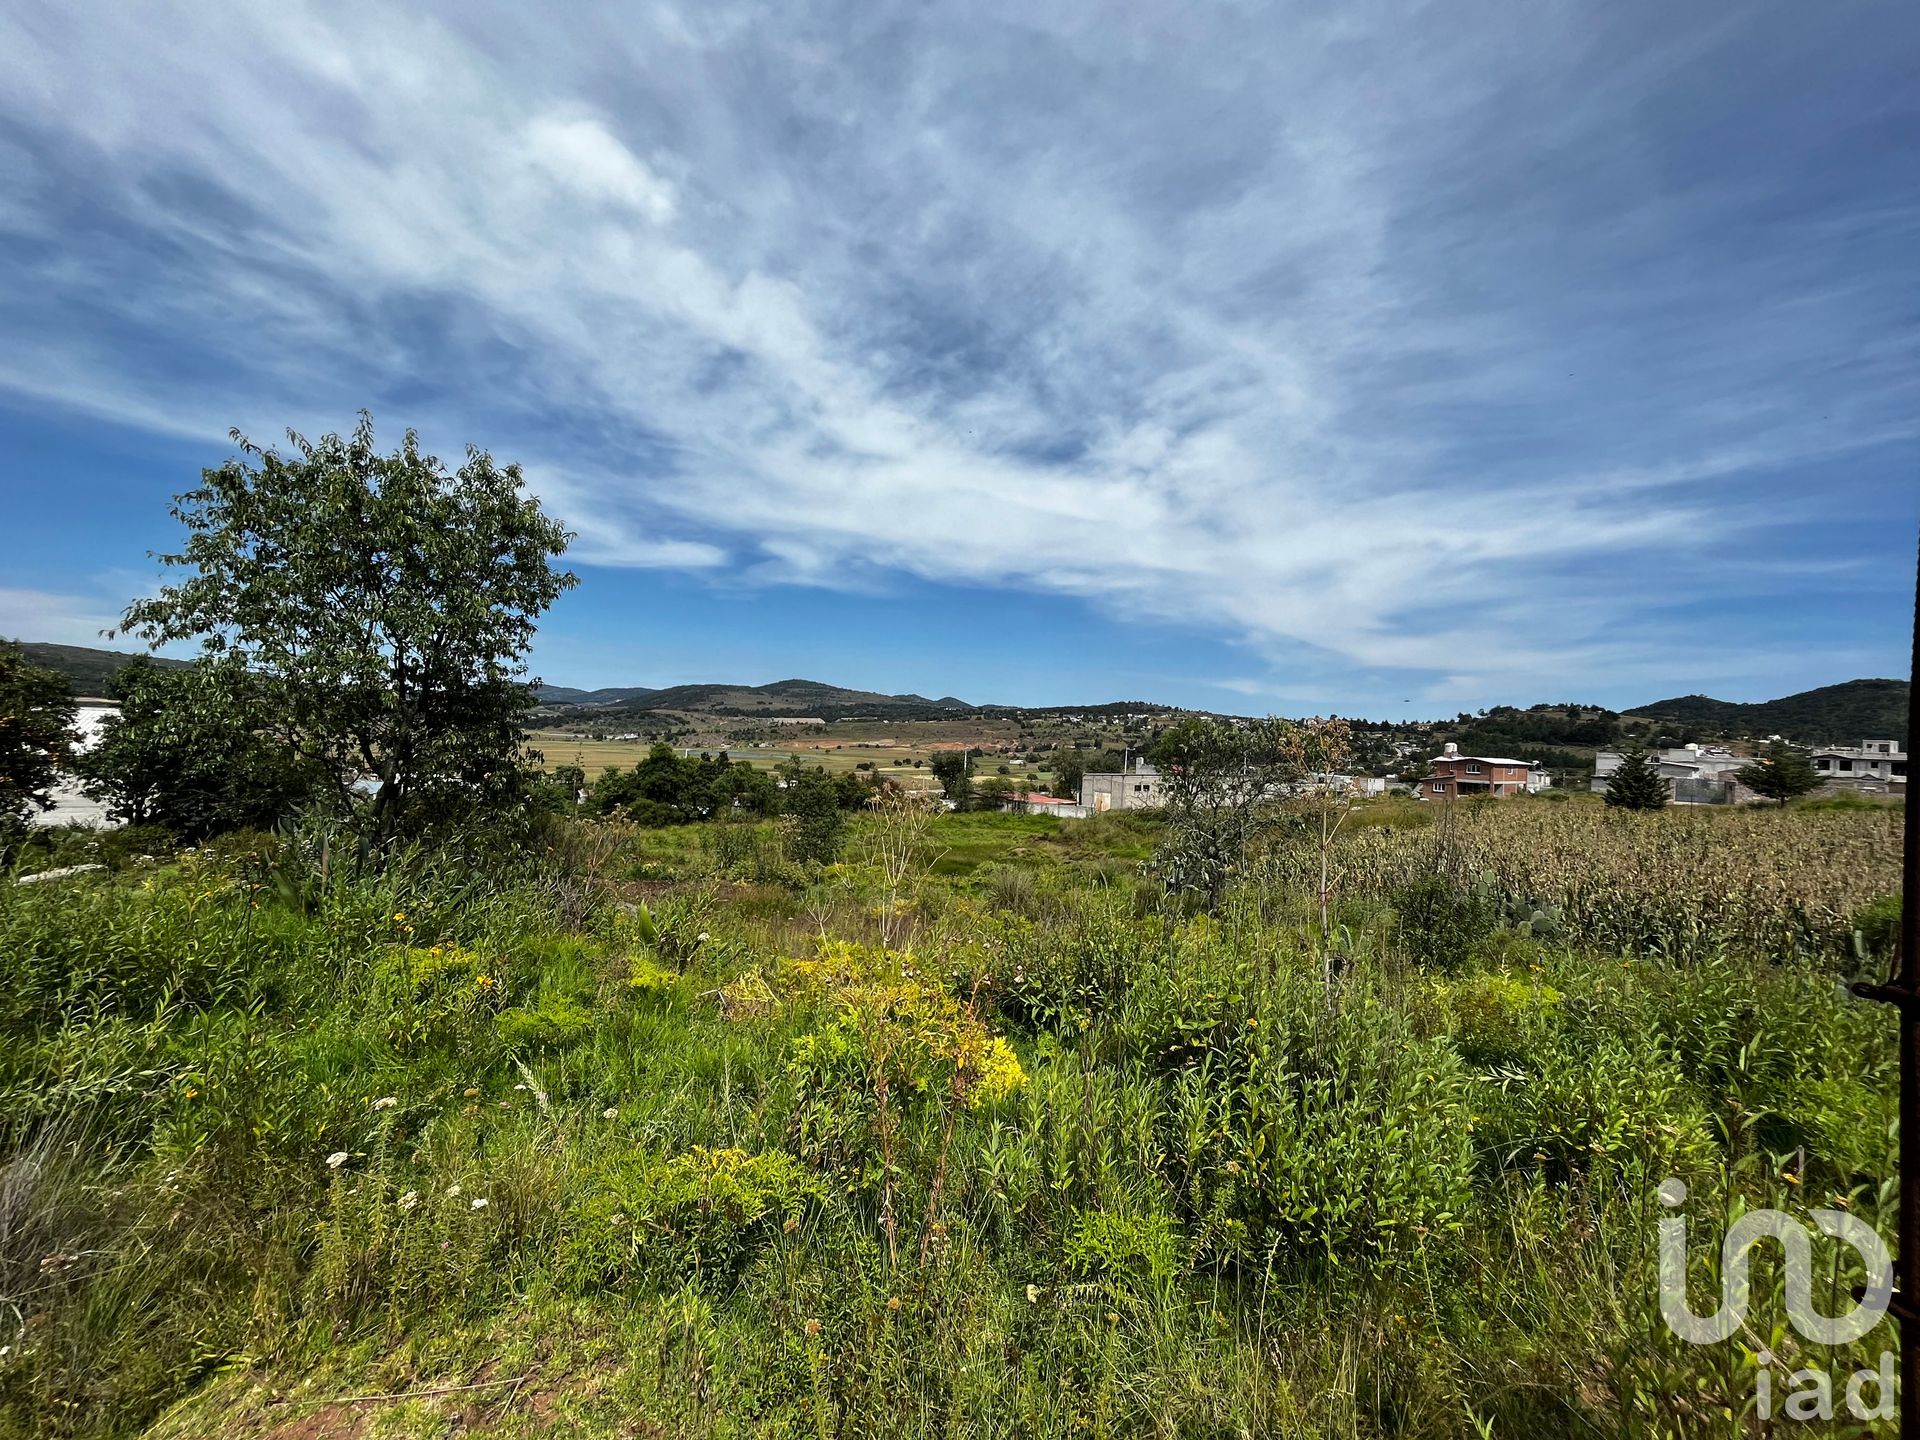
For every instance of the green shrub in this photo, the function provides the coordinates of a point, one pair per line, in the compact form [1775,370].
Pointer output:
[555,1023]
[1499,1019]
[1440,922]
[1123,1245]
[700,1215]
[434,995]
[1609,1101]
[1876,928]
[649,976]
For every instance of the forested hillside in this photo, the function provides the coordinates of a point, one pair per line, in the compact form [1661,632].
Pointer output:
[1851,711]
[89,671]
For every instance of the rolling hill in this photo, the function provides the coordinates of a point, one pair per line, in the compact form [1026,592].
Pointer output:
[613,695]
[1849,712]
[88,671]
[781,699]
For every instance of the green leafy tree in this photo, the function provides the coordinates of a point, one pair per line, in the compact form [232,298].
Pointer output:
[36,725]
[813,801]
[384,602]
[1223,784]
[1782,773]
[950,768]
[671,789]
[996,792]
[1637,785]
[1069,769]
[193,750]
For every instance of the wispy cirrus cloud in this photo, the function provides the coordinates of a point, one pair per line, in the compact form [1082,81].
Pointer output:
[1350,334]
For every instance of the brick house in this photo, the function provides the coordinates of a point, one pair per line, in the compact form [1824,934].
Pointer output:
[1455,776]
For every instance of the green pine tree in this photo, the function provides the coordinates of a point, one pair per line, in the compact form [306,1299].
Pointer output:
[1782,774]
[1637,785]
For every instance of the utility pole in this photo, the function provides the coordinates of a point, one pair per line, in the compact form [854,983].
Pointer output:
[1902,990]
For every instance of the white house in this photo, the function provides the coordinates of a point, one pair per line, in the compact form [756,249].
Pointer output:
[71,804]
[1699,774]
[1140,787]
[1874,765]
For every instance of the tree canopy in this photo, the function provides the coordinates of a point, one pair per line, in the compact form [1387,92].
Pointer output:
[383,602]
[1222,783]
[192,749]
[1782,773]
[36,723]
[670,789]
[1637,784]
[950,768]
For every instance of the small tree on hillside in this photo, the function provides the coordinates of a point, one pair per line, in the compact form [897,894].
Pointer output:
[384,603]
[1782,773]
[1637,785]
[36,725]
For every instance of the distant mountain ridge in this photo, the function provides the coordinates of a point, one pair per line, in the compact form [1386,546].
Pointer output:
[781,699]
[1849,712]
[88,671]
[1846,713]
[567,695]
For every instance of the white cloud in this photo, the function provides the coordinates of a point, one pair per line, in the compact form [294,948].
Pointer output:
[1277,324]
[583,157]
[53,618]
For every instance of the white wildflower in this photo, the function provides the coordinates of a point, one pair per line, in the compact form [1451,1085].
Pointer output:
[612,1112]
[385,1102]
[410,1199]
[336,1159]
[453,1192]
[479,1202]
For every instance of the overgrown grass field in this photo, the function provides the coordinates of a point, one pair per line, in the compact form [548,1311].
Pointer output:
[973,1133]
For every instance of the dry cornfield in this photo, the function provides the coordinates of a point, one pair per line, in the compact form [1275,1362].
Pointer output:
[1762,882]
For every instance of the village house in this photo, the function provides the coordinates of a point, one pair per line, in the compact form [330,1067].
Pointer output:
[1139,787]
[1454,776]
[1872,765]
[1698,774]
[1037,802]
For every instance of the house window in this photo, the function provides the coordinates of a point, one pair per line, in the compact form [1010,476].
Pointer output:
[1439,788]
[1473,769]
[1846,764]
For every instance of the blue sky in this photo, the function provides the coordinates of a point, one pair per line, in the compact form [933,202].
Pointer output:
[1387,360]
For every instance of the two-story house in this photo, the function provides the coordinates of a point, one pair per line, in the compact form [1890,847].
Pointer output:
[1870,765]
[1454,775]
